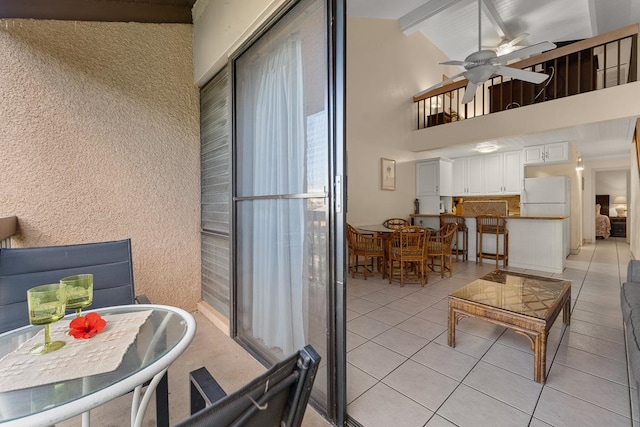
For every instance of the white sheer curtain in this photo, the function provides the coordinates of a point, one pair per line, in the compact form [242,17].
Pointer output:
[275,228]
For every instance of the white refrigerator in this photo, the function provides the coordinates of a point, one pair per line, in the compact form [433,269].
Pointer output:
[546,196]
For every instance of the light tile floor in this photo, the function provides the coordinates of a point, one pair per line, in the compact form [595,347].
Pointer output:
[402,373]
[228,362]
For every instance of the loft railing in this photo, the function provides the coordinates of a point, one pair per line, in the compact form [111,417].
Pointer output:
[607,60]
[8,227]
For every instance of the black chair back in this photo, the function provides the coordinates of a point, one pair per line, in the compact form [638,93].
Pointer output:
[278,397]
[23,268]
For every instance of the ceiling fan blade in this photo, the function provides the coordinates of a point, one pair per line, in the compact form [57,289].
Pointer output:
[454,62]
[527,76]
[527,51]
[442,83]
[469,92]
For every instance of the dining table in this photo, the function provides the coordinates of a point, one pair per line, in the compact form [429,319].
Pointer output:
[138,345]
[385,233]
[376,228]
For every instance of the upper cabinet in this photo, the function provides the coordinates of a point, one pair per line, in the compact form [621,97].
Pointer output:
[498,173]
[433,177]
[468,176]
[557,152]
[503,173]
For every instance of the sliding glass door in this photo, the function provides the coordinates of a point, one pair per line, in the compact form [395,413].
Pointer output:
[284,204]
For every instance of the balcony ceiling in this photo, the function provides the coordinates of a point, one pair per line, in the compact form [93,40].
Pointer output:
[452,26]
[153,11]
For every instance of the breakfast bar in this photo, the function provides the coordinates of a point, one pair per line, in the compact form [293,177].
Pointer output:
[535,242]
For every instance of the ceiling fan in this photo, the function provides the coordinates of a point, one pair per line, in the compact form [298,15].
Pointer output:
[481,65]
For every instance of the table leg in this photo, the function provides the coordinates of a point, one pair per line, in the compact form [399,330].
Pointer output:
[138,410]
[566,311]
[451,336]
[162,402]
[540,357]
[86,416]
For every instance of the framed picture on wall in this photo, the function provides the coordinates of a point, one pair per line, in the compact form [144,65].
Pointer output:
[388,169]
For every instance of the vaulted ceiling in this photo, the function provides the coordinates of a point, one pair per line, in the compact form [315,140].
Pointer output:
[452,26]
[156,11]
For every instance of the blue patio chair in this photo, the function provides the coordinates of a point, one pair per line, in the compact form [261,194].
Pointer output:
[23,268]
[278,397]
[109,262]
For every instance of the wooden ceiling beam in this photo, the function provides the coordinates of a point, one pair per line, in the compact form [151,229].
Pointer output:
[95,10]
[424,12]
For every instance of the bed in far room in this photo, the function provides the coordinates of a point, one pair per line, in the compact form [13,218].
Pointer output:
[603,224]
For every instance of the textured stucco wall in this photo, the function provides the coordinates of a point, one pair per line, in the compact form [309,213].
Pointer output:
[99,140]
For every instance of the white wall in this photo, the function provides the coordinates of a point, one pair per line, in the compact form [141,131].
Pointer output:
[385,69]
[220,27]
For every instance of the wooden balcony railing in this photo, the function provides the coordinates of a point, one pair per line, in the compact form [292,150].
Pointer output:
[607,60]
[8,227]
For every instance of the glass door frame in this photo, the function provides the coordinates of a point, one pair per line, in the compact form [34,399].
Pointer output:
[335,409]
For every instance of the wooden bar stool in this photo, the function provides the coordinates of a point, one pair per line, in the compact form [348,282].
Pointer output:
[461,238]
[492,225]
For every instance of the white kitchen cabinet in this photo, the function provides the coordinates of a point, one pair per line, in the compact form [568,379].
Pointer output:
[557,152]
[503,173]
[433,177]
[468,176]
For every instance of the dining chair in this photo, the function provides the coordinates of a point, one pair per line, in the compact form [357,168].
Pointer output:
[407,254]
[278,397]
[460,244]
[396,223]
[369,247]
[439,246]
[112,268]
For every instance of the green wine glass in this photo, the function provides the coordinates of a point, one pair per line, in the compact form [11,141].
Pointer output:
[46,305]
[79,291]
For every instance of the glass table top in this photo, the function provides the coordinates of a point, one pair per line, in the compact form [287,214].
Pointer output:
[163,336]
[520,293]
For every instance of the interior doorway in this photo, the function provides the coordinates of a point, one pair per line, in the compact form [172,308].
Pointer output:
[612,196]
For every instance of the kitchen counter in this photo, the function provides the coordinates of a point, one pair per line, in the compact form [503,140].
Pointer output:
[538,243]
[514,216]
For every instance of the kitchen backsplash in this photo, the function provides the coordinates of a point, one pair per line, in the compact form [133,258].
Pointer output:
[513,205]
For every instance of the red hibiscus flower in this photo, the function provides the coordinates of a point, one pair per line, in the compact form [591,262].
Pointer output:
[86,326]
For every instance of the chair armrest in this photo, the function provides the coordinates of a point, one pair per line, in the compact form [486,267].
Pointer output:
[142,299]
[205,390]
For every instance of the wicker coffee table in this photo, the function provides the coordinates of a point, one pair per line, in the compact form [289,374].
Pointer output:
[523,303]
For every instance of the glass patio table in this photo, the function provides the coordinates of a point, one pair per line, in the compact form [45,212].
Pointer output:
[163,335]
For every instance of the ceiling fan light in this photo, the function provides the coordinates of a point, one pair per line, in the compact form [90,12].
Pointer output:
[503,49]
[486,147]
